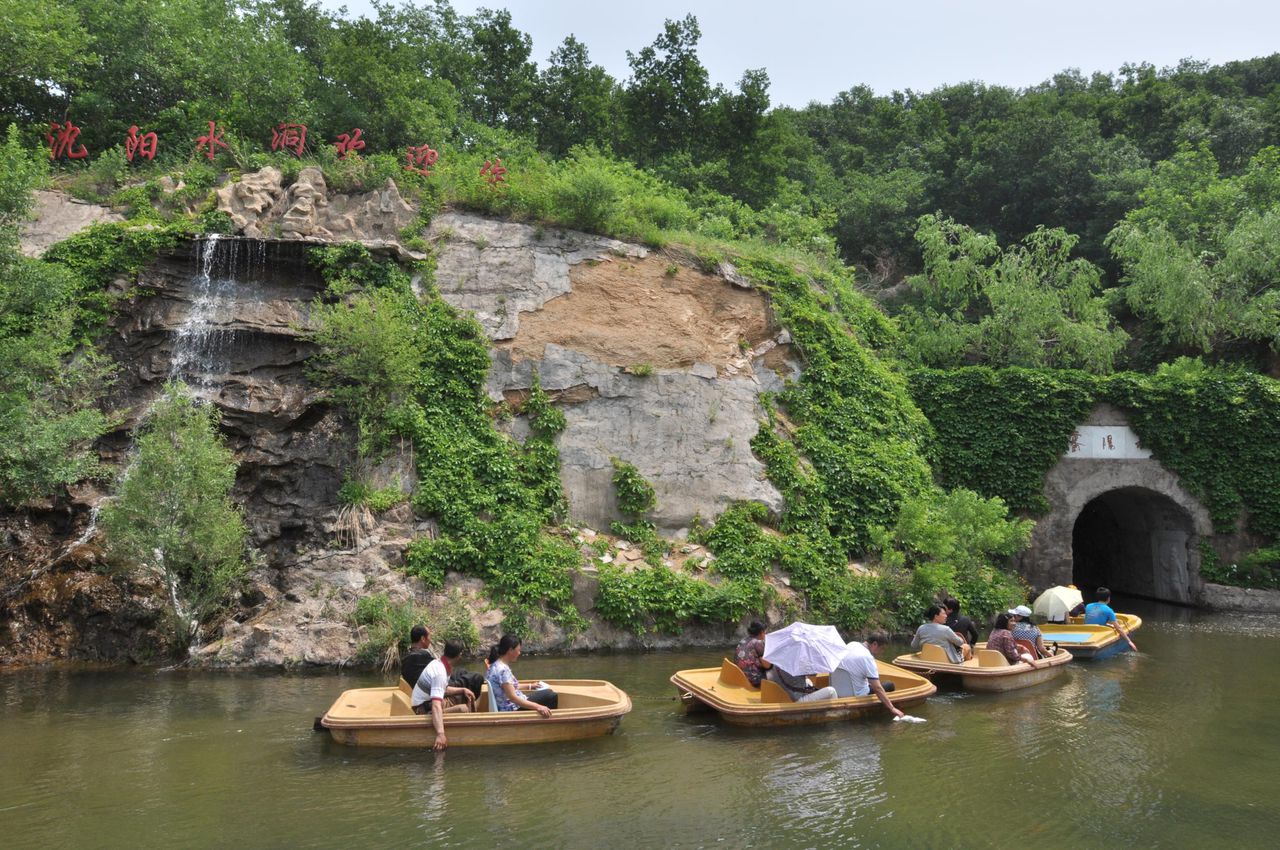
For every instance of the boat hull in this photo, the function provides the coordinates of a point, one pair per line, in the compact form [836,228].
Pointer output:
[1091,642]
[702,689]
[972,677]
[381,717]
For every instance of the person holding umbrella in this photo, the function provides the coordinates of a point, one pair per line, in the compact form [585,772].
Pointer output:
[799,650]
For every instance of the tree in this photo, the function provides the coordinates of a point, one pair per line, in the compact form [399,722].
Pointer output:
[49,389]
[172,511]
[576,101]
[1199,255]
[1029,305]
[665,100]
[505,78]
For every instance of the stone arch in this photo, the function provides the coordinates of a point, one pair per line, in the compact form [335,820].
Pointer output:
[1131,519]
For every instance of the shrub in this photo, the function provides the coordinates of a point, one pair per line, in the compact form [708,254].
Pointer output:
[172,511]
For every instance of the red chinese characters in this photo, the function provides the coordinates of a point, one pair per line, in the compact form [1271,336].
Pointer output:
[143,145]
[289,137]
[62,141]
[421,159]
[210,143]
[349,143]
[494,172]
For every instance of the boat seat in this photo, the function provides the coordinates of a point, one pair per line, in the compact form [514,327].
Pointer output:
[773,692]
[991,658]
[731,674]
[933,652]
[406,688]
[400,705]
[1027,646]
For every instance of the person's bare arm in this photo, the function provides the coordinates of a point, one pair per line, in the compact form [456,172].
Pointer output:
[878,690]
[514,695]
[437,720]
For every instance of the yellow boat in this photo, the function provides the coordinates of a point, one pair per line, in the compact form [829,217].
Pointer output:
[988,671]
[383,717]
[1091,641]
[726,689]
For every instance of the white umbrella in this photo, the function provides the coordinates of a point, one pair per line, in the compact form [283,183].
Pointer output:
[1056,602]
[801,648]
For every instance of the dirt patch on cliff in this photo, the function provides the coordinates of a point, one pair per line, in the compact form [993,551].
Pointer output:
[652,311]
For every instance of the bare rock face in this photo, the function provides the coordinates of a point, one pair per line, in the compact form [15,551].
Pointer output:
[499,270]
[653,362]
[57,216]
[261,207]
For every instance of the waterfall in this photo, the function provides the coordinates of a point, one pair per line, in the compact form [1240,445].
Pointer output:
[202,343]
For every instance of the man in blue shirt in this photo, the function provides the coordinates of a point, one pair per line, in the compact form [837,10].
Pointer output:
[1100,613]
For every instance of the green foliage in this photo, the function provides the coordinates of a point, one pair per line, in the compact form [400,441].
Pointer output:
[1000,431]
[49,387]
[952,542]
[656,598]
[376,499]
[1199,255]
[742,548]
[1260,568]
[635,494]
[99,255]
[172,512]
[1218,429]
[416,368]
[387,628]
[369,346]
[1030,305]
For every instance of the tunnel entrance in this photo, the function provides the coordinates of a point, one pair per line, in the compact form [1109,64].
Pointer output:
[1136,542]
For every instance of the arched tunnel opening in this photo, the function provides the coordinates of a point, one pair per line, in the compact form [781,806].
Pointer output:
[1136,542]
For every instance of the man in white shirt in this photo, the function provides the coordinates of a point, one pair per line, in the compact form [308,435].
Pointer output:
[434,695]
[857,675]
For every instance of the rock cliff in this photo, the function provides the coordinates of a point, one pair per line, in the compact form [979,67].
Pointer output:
[653,360]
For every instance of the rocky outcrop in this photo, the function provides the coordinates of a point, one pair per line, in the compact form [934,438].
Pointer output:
[1222,597]
[55,216]
[261,207]
[653,361]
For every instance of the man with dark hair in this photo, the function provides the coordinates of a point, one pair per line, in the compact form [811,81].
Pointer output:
[1100,613]
[419,655]
[750,653]
[857,675]
[435,696]
[959,623]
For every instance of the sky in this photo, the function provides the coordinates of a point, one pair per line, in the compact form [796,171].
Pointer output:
[814,50]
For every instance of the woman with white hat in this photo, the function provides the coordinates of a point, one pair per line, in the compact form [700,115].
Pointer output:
[1024,629]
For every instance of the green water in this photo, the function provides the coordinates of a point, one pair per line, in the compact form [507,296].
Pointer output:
[1173,747]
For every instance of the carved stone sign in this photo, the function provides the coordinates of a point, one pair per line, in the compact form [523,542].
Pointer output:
[1114,442]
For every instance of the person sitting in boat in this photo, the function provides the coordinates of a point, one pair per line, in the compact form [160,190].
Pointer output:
[1100,613]
[750,653]
[506,688]
[1024,629]
[1001,640]
[419,655]
[934,630]
[959,623]
[435,696]
[798,687]
[857,675]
